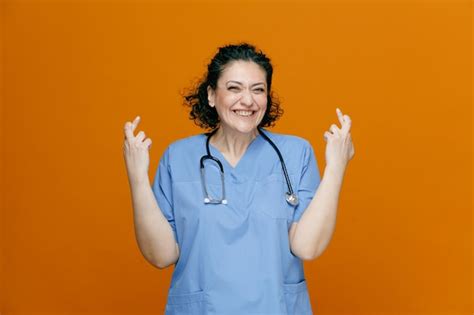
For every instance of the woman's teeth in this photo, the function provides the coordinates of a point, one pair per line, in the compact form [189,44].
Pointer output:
[243,113]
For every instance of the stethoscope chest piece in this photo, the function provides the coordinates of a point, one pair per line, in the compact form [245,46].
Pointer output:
[292,199]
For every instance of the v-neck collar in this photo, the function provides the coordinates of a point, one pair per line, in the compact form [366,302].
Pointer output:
[248,152]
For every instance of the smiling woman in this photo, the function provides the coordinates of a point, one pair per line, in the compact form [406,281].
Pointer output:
[229,200]
[252,215]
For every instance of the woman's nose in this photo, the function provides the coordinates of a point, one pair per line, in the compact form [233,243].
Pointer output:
[247,98]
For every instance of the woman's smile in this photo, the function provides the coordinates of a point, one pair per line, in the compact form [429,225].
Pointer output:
[244,113]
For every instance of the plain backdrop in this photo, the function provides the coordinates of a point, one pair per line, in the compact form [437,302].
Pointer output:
[73,72]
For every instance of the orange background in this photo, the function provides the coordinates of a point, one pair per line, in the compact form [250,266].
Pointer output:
[75,72]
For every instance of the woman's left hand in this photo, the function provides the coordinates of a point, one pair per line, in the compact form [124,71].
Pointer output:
[339,147]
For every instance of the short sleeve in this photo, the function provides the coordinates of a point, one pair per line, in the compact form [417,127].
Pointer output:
[308,183]
[162,189]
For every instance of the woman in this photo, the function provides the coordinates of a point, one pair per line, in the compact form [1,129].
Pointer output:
[233,209]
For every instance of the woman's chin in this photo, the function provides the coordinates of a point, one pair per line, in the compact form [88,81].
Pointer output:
[245,128]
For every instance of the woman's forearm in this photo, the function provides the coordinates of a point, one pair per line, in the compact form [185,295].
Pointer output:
[316,225]
[154,234]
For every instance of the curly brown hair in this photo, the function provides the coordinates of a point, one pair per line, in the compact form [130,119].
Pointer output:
[206,116]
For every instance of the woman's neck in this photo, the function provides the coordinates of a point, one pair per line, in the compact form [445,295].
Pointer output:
[232,143]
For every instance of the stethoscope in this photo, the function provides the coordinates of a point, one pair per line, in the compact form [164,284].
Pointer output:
[291,197]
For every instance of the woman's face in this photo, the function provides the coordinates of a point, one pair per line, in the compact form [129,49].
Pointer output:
[240,97]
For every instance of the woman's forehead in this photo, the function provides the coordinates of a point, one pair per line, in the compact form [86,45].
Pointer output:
[244,72]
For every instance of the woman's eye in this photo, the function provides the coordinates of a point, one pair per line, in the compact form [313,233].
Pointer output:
[236,88]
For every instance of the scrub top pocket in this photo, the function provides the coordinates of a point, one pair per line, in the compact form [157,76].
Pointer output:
[186,304]
[297,298]
[270,197]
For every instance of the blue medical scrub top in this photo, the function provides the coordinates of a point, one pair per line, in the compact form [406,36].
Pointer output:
[235,258]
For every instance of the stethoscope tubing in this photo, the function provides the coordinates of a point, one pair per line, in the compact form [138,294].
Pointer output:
[290,194]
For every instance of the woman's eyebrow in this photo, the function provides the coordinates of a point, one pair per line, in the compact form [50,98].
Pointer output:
[241,82]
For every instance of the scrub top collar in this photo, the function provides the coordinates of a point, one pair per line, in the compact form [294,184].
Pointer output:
[252,148]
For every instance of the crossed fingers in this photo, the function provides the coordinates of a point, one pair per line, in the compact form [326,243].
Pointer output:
[130,128]
[345,121]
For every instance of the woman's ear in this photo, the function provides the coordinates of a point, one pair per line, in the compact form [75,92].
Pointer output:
[210,96]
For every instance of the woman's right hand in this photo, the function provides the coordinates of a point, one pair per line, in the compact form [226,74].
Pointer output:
[135,152]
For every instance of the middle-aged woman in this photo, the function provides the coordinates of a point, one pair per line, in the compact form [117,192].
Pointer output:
[236,209]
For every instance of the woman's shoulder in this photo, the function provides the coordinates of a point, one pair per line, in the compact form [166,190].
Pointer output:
[287,140]
[187,144]
[188,140]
